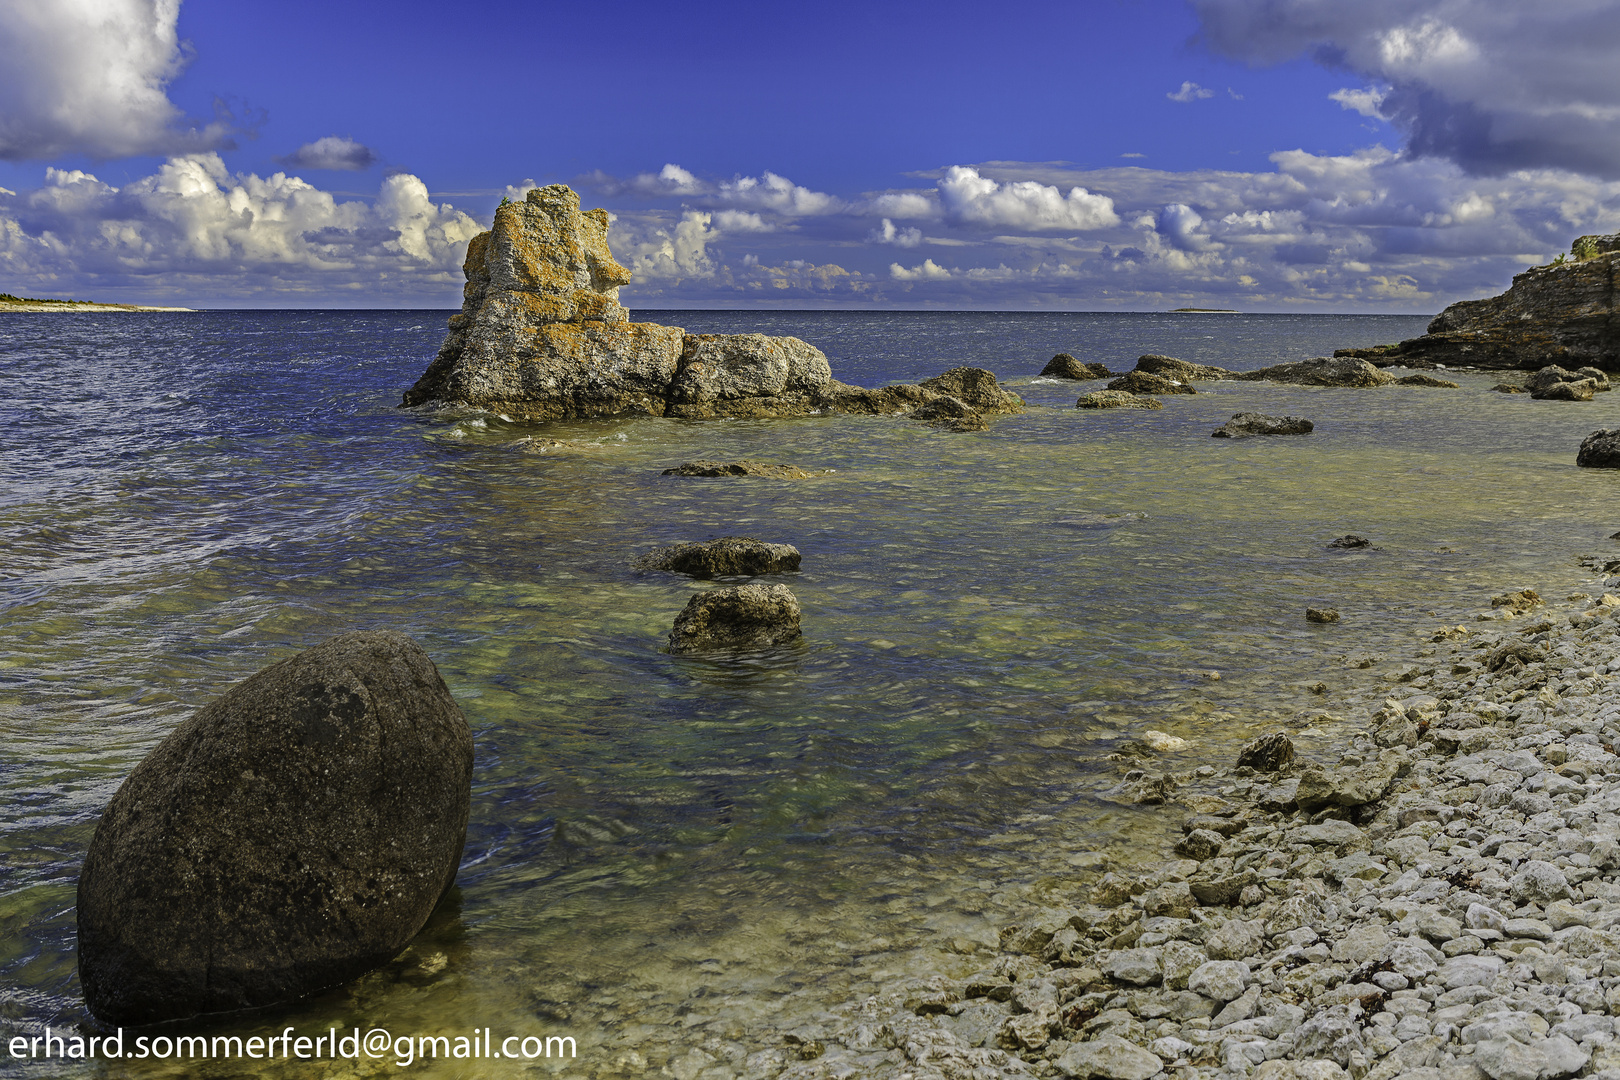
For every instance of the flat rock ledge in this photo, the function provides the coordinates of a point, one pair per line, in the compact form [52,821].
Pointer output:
[1184,370]
[541,335]
[729,556]
[1440,903]
[742,467]
[1244,424]
[751,616]
[289,836]
[1117,399]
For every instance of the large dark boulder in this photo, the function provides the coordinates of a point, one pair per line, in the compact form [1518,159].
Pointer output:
[729,556]
[751,616]
[291,835]
[1578,390]
[1600,450]
[1065,366]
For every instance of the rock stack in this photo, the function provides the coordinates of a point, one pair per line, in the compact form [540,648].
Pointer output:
[541,335]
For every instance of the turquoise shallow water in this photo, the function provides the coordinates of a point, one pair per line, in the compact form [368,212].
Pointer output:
[670,851]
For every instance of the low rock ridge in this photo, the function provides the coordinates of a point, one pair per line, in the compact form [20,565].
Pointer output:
[541,335]
[1563,313]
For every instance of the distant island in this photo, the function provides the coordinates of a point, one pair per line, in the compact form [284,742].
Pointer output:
[1205,311]
[25,303]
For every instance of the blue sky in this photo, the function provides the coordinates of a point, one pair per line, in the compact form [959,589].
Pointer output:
[1268,155]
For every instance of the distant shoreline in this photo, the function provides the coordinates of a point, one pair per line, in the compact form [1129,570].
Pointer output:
[78,305]
[1204,311]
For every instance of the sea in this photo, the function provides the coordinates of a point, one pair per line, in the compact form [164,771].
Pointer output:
[678,862]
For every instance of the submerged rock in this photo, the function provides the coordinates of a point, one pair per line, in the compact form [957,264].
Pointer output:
[1600,450]
[729,556]
[1244,424]
[743,467]
[1142,382]
[1321,615]
[1117,399]
[1427,380]
[291,835]
[1508,388]
[748,616]
[1322,371]
[1064,366]
[1183,370]
[1350,540]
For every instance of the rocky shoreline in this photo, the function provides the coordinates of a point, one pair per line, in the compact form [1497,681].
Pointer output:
[1440,903]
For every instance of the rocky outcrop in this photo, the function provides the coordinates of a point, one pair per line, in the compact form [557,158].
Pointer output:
[1244,424]
[1117,399]
[1064,366]
[1553,383]
[1183,370]
[749,616]
[289,836]
[1563,313]
[744,467]
[729,556]
[1600,450]
[1427,380]
[1143,382]
[541,335]
[1322,371]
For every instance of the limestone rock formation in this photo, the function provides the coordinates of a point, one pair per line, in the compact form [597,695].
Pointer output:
[729,556]
[1322,371]
[1065,366]
[1184,370]
[291,835]
[748,616]
[541,335]
[1244,424]
[1117,399]
[1142,382]
[1563,313]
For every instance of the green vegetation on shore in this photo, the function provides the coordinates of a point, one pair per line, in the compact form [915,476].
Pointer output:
[7,298]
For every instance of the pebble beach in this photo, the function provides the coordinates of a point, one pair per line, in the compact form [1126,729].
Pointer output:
[1439,902]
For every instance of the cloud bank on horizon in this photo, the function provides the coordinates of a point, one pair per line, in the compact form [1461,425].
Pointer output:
[1510,147]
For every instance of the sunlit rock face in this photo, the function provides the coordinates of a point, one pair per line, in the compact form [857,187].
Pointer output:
[1564,313]
[542,335]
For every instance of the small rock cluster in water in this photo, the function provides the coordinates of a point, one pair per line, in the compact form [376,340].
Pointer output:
[1443,903]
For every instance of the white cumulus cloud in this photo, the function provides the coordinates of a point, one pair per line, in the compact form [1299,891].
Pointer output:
[1367,101]
[971,198]
[889,233]
[928,271]
[196,229]
[91,77]
[1190,91]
